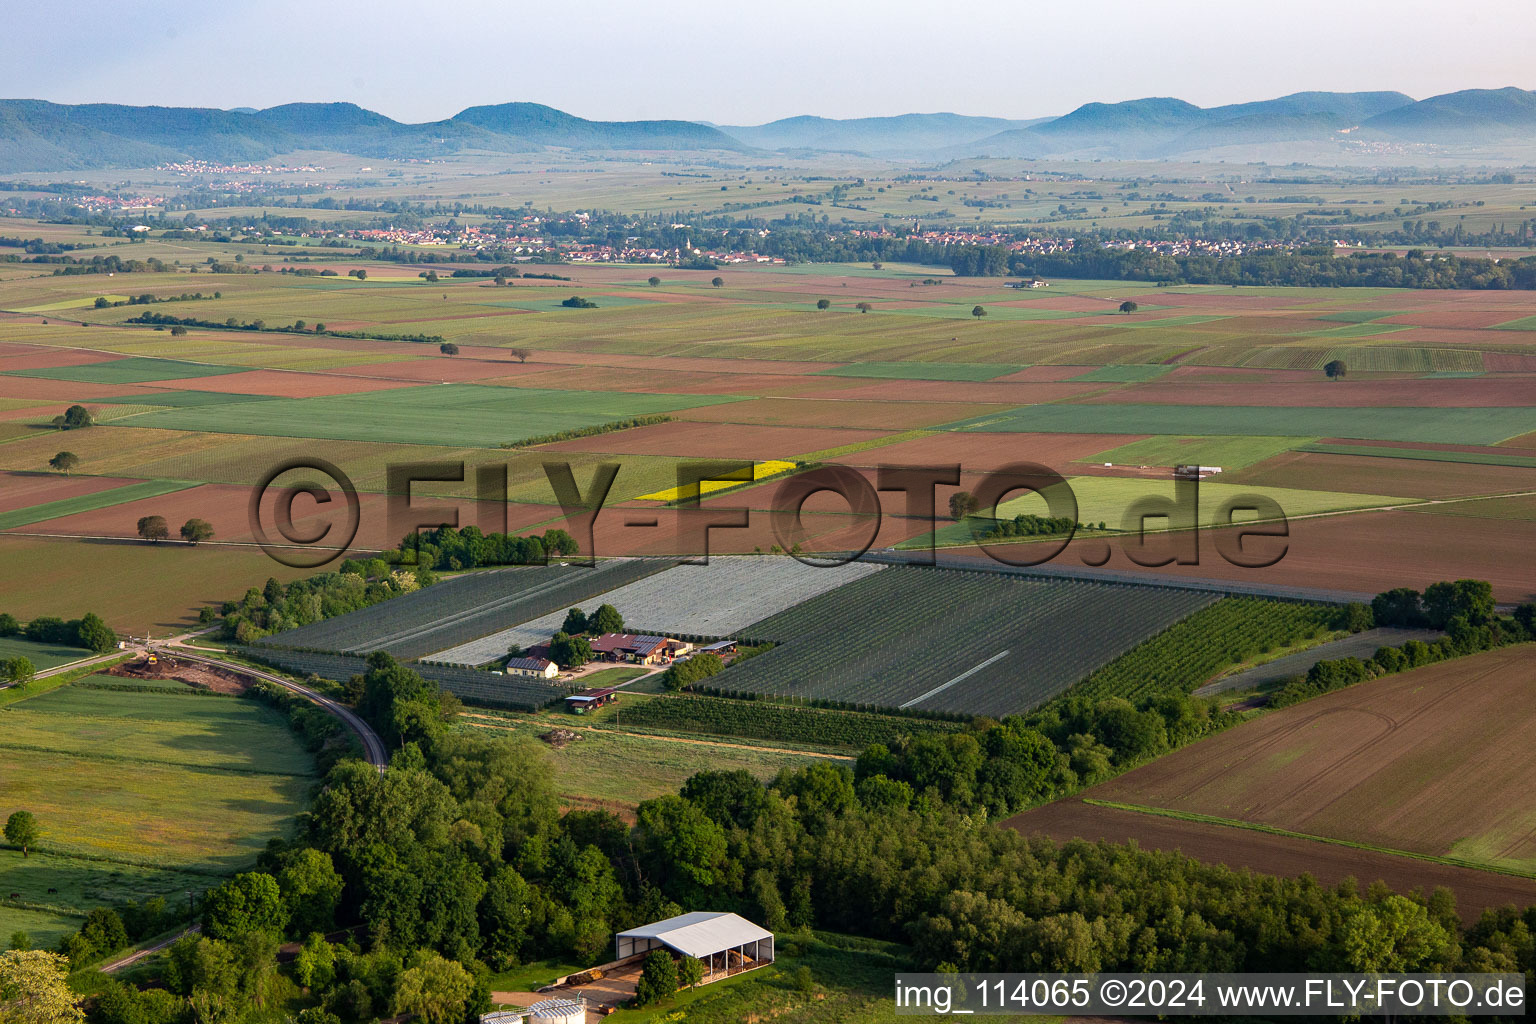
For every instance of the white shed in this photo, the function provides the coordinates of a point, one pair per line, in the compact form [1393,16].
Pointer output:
[727,943]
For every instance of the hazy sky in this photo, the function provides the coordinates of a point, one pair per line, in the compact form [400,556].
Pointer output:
[746,61]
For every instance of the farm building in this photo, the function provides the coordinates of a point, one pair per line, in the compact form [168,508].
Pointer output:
[724,648]
[642,650]
[537,668]
[586,700]
[728,944]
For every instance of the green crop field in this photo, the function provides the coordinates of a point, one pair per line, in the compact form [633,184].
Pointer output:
[1170,450]
[924,371]
[41,655]
[608,765]
[1441,426]
[90,502]
[152,778]
[457,414]
[134,370]
[54,892]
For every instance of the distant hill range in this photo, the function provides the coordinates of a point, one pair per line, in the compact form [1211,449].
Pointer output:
[1322,127]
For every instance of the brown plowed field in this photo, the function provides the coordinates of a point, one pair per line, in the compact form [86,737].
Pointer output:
[614,534]
[1509,362]
[716,441]
[437,368]
[962,391]
[623,378]
[682,364]
[1366,553]
[810,412]
[41,357]
[226,509]
[1434,761]
[1042,373]
[1408,478]
[1453,392]
[1274,855]
[23,490]
[47,390]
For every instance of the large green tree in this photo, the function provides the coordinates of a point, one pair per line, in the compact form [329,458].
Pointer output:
[250,901]
[21,829]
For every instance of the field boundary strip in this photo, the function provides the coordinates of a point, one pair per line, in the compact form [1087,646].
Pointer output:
[1421,454]
[1275,830]
[94,502]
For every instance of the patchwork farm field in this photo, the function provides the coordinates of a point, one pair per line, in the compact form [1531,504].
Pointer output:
[750,369]
[1459,426]
[1431,762]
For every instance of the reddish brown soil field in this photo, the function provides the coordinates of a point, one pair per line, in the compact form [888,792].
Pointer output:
[1274,855]
[1362,553]
[1431,761]
[1453,392]
[1404,478]
[23,490]
[982,452]
[808,412]
[226,508]
[41,357]
[1451,318]
[463,367]
[285,383]
[1193,374]
[682,364]
[962,391]
[1509,362]
[613,378]
[716,441]
[1042,373]
[826,531]
[47,390]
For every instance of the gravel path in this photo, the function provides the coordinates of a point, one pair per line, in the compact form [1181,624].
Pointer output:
[1360,645]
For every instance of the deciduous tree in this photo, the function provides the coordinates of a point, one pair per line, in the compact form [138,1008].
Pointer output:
[153,528]
[21,830]
[34,989]
[64,462]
